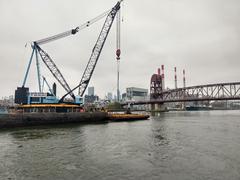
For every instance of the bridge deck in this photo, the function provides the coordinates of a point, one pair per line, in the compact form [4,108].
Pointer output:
[209,92]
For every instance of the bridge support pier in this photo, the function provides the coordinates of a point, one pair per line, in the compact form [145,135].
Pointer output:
[158,107]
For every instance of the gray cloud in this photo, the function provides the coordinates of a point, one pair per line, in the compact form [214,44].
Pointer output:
[201,36]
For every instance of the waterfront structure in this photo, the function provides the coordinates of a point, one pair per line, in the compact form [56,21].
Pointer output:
[136,94]
[90,99]
[194,94]
[91,91]
[7,101]
[208,92]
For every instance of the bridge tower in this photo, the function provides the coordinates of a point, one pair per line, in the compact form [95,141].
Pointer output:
[156,88]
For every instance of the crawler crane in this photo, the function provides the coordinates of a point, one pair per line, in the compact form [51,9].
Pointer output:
[22,94]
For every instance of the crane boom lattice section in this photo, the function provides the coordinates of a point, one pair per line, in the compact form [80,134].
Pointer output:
[54,69]
[97,49]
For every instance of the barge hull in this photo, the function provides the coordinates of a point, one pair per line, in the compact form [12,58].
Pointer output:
[32,119]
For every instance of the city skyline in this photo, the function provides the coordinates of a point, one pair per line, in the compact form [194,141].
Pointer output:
[201,37]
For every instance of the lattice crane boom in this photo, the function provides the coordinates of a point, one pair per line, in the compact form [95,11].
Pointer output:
[97,49]
[96,52]
[54,69]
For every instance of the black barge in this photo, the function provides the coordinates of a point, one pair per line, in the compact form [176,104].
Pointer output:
[43,114]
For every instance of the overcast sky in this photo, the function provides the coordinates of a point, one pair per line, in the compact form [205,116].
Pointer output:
[201,36]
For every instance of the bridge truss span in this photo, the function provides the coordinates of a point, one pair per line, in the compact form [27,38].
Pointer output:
[221,91]
[209,92]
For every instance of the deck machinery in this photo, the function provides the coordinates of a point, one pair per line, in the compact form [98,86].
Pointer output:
[22,94]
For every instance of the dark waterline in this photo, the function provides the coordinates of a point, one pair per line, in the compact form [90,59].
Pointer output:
[174,145]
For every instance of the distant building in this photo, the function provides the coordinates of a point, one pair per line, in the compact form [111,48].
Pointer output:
[90,91]
[136,94]
[101,103]
[235,105]
[124,96]
[220,104]
[7,101]
[90,99]
[115,98]
[109,96]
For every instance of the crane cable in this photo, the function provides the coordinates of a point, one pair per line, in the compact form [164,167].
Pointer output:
[88,23]
[118,50]
[72,31]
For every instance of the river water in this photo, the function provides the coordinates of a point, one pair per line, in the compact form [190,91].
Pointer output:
[173,145]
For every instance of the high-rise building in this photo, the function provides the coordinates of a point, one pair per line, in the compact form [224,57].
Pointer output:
[90,99]
[109,96]
[91,91]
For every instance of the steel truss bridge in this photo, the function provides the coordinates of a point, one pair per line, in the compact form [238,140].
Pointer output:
[210,92]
